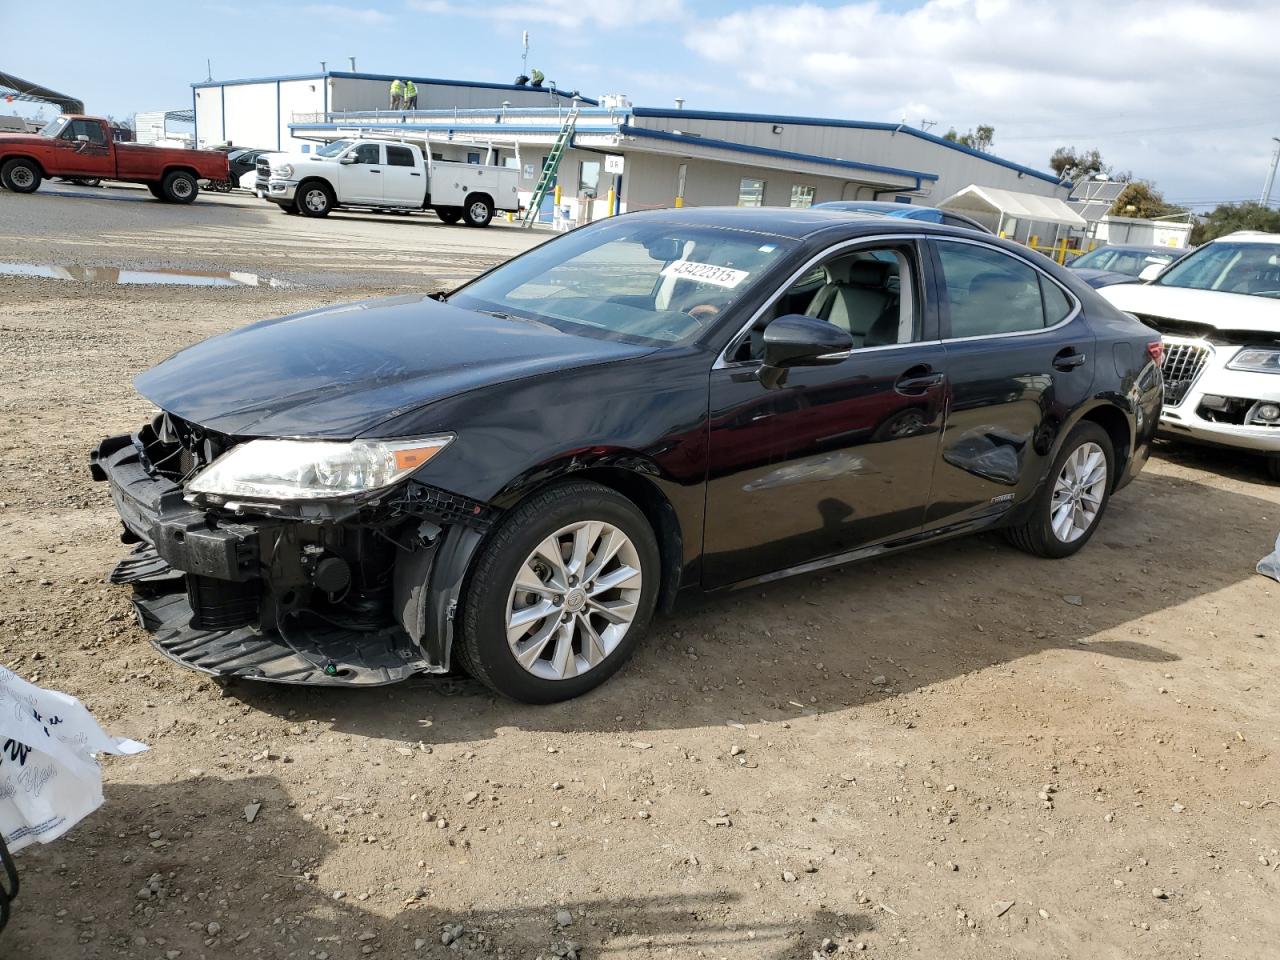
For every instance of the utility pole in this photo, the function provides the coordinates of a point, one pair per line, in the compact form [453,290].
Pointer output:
[524,60]
[208,64]
[1271,174]
[353,64]
[324,66]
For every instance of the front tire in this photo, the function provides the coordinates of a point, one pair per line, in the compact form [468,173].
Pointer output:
[21,176]
[178,186]
[314,199]
[1069,506]
[560,595]
[477,211]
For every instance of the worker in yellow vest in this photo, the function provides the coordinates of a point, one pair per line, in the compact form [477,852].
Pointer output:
[410,95]
[537,78]
[397,94]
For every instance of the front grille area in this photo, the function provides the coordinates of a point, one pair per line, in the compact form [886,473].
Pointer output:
[1183,364]
[174,449]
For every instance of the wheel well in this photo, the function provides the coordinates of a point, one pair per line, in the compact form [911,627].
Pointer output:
[653,504]
[1117,427]
[478,195]
[22,156]
[320,180]
[169,170]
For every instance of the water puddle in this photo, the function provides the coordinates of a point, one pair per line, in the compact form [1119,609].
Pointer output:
[120,275]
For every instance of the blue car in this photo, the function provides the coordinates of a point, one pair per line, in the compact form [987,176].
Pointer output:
[906,211]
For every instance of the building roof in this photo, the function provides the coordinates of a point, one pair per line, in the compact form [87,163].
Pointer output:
[387,77]
[902,128]
[1011,203]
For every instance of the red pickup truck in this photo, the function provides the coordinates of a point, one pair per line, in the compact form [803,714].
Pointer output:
[81,148]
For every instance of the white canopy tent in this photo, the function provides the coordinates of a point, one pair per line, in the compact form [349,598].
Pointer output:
[996,208]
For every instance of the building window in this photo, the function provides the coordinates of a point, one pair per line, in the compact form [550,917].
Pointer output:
[802,195]
[473,158]
[589,178]
[751,193]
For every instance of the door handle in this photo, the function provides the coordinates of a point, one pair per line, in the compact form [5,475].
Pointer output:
[1068,359]
[375,171]
[919,379]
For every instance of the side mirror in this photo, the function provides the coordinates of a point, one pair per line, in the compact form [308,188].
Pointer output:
[82,138]
[1151,271]
[795,340]
[348,159]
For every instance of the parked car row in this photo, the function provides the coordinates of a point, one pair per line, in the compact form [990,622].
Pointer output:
[511,478]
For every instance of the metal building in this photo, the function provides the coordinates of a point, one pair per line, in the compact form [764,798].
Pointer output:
[258,112]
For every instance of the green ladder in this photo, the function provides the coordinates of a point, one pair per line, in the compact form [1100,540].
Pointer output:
[546,182]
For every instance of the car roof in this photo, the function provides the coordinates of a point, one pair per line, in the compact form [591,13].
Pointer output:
[796,223]
[1141,248]
[1249,236]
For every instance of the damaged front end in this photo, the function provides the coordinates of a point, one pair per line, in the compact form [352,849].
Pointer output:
[350,590]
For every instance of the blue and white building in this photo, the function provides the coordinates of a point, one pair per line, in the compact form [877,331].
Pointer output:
[645,157]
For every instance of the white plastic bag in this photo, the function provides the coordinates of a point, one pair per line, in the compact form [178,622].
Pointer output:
[49,780]
[1270,564]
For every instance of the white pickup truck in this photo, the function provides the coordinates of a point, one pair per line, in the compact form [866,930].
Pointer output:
[385,175]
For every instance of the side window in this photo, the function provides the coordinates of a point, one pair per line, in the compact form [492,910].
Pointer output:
[870,292]
[87,128]
[1057,305]
[399,157]
[368,153]
[989,292]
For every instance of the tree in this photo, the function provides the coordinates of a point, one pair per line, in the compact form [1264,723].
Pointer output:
[1069,164]
[1141,200]
[979,139]
[1230,217]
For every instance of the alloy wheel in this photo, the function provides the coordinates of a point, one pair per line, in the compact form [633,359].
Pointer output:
[573,600]
[1078,493]
[315,200]
[22,177]
[181,188]
[479,211]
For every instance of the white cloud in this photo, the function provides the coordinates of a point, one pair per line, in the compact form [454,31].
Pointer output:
[1182,91]
[366,16]
[617,15]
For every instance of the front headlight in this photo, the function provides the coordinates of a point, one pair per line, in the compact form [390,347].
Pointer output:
[313,469]
[1256,360]
[284,170]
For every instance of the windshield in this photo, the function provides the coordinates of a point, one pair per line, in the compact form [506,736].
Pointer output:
[54,127]
[1129,262]
[333,149]
[638,281]
[1249,268]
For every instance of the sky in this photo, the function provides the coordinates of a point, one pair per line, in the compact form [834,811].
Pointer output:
[1185,93]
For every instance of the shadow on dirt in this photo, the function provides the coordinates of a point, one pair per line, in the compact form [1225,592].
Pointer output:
[859,634]
[109,889]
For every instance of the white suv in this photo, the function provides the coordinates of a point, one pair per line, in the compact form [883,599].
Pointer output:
[1218,311]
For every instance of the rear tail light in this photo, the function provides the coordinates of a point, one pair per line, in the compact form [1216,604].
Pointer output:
[1155,350]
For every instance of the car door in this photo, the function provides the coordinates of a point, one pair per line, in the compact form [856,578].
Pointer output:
[82,150]
[838,457]
[360,181]
[402,181]
[1019,360]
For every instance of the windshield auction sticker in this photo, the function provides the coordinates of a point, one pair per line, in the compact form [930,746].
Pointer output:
[705,273]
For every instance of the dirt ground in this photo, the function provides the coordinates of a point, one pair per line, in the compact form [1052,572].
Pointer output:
[956,753]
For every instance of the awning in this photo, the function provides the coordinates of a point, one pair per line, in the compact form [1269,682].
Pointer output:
[1010,203]
[19,89]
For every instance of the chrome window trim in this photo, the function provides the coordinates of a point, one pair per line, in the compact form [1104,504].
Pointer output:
[723,361]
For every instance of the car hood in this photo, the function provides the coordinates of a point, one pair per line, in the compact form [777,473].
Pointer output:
[9,139]
[1101,278]
[340,371]
[1226,311]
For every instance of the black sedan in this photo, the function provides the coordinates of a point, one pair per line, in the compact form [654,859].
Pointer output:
[244,161]
[511,478]
[1120,263]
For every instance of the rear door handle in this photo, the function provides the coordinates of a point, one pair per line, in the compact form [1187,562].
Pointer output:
[918,380]
[1068,359]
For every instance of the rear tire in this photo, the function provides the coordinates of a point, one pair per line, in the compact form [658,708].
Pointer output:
[1070,503]
[449,215]
[21,176]
[314,199]
[178,186]
[584,638]
[156,191]
[477,210]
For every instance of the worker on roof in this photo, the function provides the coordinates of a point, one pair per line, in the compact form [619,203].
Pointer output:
[397,94]
[536,78]
[410,95]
